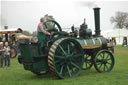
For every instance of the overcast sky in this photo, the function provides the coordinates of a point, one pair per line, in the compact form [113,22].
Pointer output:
[26,14]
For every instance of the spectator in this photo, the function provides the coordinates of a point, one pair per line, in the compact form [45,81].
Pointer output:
[7,54]
[124,43]
[1,54]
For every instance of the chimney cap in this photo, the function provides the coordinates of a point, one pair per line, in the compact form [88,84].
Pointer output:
[96,8]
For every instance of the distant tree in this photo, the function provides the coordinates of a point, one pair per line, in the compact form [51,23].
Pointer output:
[27,33]
[120,20]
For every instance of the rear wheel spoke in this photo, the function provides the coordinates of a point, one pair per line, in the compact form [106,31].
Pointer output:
[68,48]
[60,64]
[69,71]
[61,70]
[62,49]
[75,65]
[57,61]
[61,57]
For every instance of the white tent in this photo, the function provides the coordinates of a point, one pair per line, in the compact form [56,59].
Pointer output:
[118,34]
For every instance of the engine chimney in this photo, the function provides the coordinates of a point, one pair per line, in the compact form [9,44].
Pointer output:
[97,21]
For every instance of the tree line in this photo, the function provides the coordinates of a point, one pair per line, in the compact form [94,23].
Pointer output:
[120,20]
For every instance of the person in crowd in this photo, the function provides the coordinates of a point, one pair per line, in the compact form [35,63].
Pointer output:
[1,54]
[7,54]
[124,43]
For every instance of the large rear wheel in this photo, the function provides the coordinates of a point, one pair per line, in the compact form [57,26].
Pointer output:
[66,58]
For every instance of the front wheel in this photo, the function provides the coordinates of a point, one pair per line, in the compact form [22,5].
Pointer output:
[104,61]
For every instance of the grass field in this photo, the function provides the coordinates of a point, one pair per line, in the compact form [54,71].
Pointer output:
[16,75]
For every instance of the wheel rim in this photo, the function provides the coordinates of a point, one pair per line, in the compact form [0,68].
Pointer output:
[68,58]
[104,61]
[87,62]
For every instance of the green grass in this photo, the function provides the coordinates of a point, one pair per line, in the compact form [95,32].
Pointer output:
[16,75]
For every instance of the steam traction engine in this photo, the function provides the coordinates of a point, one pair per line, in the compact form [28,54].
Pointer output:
[66,55]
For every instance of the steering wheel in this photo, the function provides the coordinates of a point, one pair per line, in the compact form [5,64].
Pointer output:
[52,26]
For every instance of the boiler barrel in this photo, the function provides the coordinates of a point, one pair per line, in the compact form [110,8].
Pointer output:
[92,43]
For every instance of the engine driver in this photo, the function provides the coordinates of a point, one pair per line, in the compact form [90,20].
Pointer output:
[41,33]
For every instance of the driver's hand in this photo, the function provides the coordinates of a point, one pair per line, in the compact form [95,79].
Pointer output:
[52,33]
[46,30]
[48,33]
